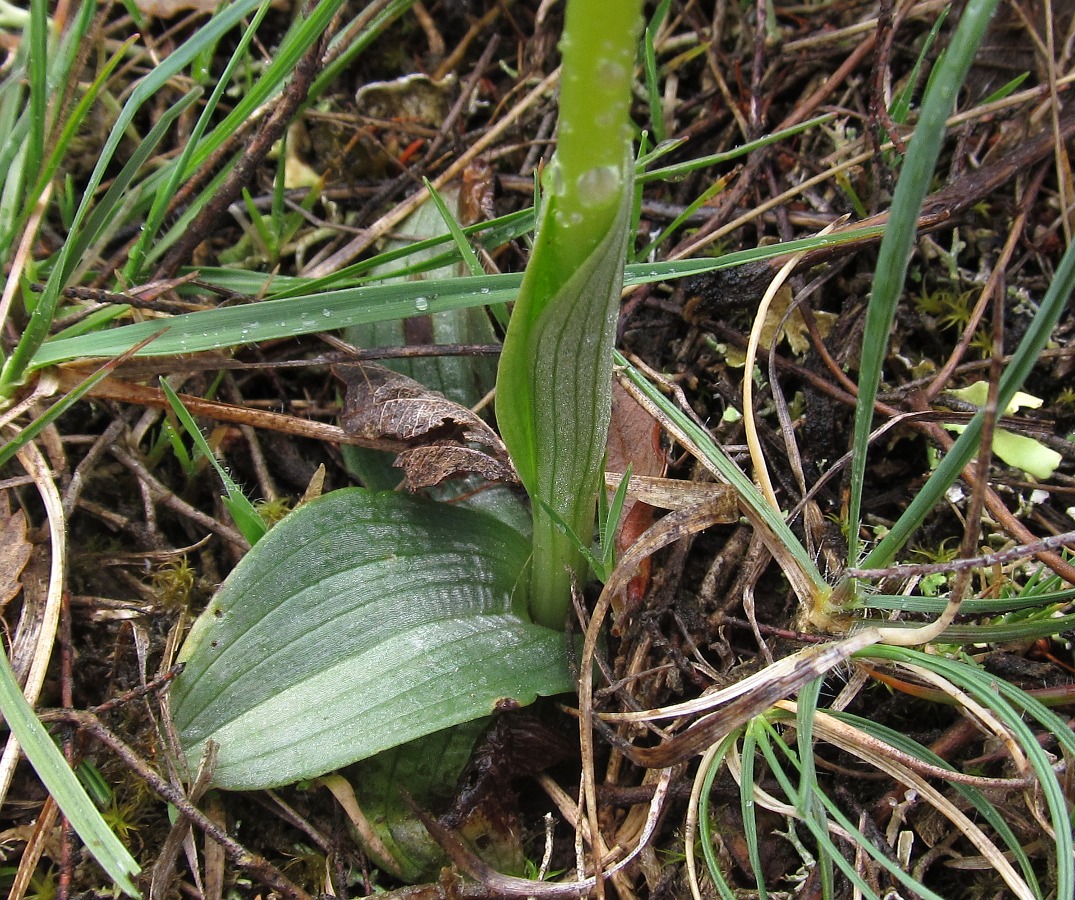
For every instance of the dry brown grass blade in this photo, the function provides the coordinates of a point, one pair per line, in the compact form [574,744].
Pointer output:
[674,526]
[35,849]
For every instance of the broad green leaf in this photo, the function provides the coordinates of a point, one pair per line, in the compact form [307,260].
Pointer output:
[554,384]
[429,770]
[360,622]
[554,397]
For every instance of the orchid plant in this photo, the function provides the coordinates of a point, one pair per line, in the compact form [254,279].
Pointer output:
[369,619]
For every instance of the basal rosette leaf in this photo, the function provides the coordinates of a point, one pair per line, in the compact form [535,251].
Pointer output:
[362,621]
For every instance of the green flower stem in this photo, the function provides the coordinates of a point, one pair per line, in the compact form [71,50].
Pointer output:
[554,383]
[593,161]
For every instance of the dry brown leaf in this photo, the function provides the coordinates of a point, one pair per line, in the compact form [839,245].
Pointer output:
[428,466]
[634,439]
[449,440]
[15,550]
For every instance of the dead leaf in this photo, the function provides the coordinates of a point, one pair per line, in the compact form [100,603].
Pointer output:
[449,440]
[476,193]
[15,550]
[426,467]
[634,437]
[634,440]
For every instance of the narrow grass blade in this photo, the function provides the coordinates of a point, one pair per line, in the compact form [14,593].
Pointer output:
[965,448]
[41,320]
[769,748]
[974,797]
[715,762]
[163,195]
[1011,705]
[246,517]
[747,810]
[800,568]
[301,307]
[898,242]
[62,784]
[39,87]
[470,258]
[810,807]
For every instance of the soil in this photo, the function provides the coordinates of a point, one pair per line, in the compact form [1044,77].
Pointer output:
[150,540]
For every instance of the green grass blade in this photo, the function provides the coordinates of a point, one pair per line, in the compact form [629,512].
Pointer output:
[821,835]
[704,826]
[62,784]
[34,428]
[965,448]
[825,846]
[1000,696]
[679,170]
[41,319]
[106,213]
[299,39]
[975,797]
[295,308]
[901,103]
[653,85]
[898,242]
[162,197]
[72,125]
[39,85]
[810,807]
[249,522]
[721,465]
[748,810]
[470,258]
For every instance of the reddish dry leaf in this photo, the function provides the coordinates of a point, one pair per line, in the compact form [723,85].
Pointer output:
[634,439]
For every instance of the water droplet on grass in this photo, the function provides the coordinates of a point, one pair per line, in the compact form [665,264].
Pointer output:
[421,304]
[327,313]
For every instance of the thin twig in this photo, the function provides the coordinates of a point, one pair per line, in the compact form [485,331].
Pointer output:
[258,867]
